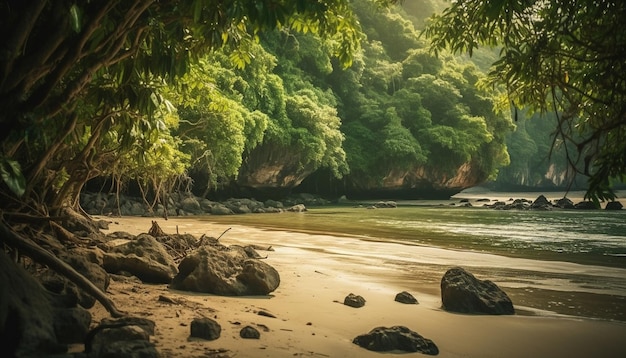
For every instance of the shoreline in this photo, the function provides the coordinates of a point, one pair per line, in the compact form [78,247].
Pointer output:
[319,270]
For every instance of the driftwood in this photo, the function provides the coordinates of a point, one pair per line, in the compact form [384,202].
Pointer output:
[42,256]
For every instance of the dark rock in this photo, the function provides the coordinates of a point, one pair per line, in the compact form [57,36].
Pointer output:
[205,328]
[221,270]
[462,292]
[564,203]
[120,340]
[88,263]
[71,324]
[249,332]
[613,205]
[166,299]
[144,257]
[146,324]
[384,339]
[405,297]
[586,205]
[541,203]
[266,314]
[128,349]
[353,300]
[26,314]
[220,209]
[191,204]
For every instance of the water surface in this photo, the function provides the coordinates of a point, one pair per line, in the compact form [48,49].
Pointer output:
[564,261]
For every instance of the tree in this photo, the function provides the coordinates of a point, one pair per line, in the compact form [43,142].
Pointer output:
[566,57]
[81,86]
[72,70]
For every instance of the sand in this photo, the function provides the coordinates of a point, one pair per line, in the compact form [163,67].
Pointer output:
[317,272]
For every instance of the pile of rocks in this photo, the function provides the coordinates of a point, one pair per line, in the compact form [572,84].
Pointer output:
[542,203]
[49,312]
[184,204]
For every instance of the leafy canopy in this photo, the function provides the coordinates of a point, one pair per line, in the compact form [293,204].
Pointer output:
[561,56]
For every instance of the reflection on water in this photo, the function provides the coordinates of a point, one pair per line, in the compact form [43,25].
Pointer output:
[572,232]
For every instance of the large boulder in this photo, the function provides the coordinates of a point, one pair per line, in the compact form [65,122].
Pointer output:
[26,314]
[462,292]
[383,339]
[143,257]
[222,270]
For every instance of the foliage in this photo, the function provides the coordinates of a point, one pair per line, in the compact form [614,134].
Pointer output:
[77,75]
[405,109]
[565,57]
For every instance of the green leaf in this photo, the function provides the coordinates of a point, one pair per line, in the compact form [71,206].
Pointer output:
[75,18]
[12,176]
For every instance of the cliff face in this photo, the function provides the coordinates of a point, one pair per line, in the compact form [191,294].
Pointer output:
[272,171]
[467,175]
[273,166]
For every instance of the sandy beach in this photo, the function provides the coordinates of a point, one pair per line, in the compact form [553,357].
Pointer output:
[318,271]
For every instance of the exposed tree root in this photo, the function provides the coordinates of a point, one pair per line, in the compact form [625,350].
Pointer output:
[42,256]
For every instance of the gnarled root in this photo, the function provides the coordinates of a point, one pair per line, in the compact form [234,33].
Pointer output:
[42,256]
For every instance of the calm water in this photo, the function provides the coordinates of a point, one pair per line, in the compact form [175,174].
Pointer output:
[588,237]
[574,262]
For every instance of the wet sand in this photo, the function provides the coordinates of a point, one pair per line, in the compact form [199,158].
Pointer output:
[319,270]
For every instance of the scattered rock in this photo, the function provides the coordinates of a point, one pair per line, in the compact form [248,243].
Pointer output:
[386,204]
[249,332]
[586,205]
[353,300]
[143,257]
[191,204]
[205,328]
[405,297]
[383,339]
[118,340]
[265,314]
[221,209]
[298,208]
[462,292]
[147,325]
[221,270]
[541,203]
[166,299]
[613,205]
[564,203]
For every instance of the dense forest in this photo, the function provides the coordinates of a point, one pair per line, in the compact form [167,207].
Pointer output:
[236,98]
[353,98]
[398,119]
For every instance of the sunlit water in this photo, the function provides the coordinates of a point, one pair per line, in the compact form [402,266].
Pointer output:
[566,261]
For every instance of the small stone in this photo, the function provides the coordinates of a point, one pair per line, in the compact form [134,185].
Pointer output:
[405,297]
[353,300]
[249,332]
[205,328]
[266,314]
